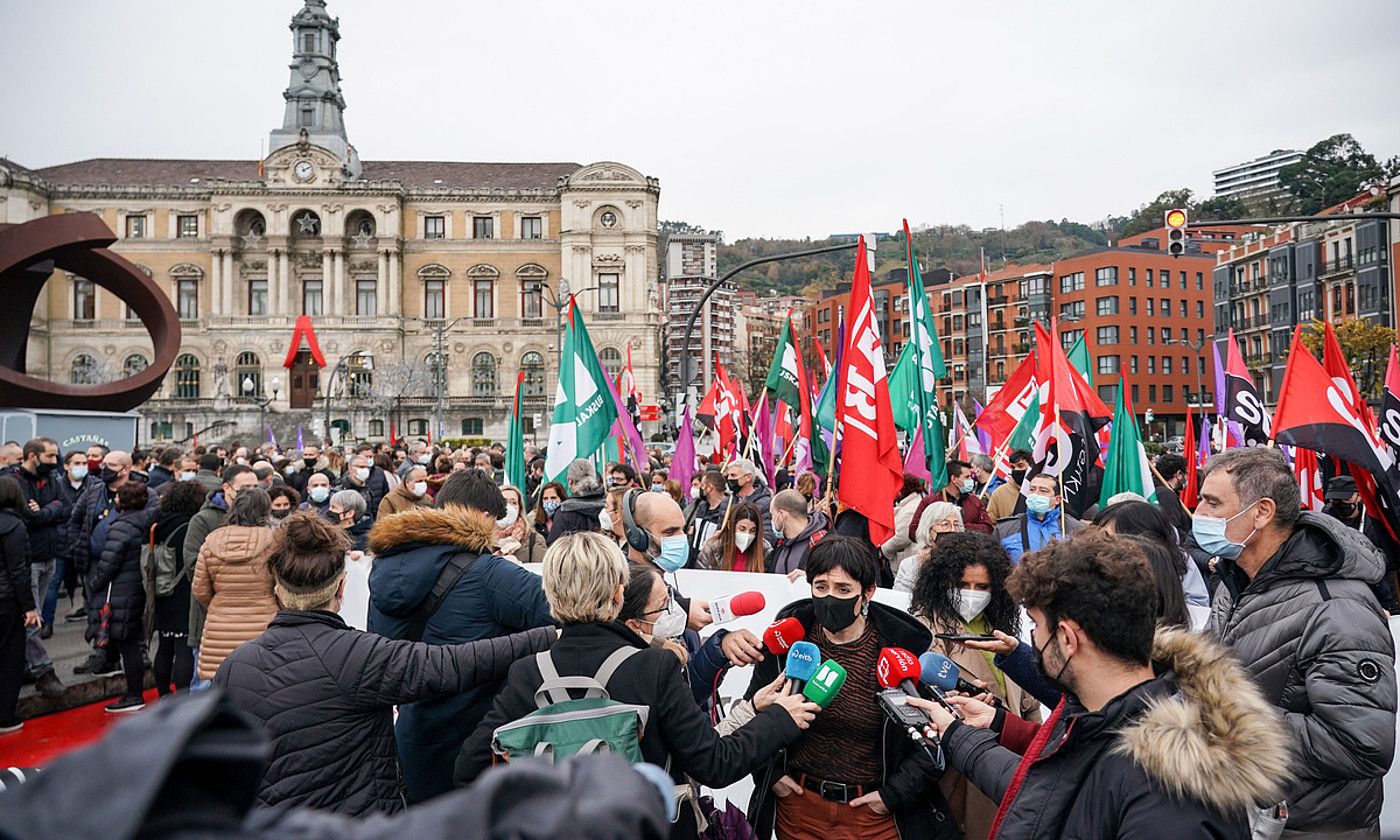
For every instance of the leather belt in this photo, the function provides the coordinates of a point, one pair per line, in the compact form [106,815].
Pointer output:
[838,792]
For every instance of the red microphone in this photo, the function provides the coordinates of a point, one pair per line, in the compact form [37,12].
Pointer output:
[782,635]
[731,607]
[898,668]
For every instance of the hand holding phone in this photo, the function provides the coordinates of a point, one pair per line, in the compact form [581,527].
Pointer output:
[965,637]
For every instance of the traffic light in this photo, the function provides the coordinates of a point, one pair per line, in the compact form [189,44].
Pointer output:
[1175,222]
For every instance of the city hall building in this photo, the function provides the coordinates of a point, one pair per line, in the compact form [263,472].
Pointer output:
[428,286]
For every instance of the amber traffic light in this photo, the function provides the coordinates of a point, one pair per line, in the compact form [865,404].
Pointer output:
[1175,222]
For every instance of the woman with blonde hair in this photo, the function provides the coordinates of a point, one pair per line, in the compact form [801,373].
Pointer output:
[585,577]
[936,518]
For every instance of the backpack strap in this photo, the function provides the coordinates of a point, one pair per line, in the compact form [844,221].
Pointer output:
[456,567]
[555,689]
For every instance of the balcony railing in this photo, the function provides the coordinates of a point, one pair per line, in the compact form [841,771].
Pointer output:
[1338,264]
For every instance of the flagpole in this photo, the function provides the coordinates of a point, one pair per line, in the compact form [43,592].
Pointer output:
[1060,484]
[997,460]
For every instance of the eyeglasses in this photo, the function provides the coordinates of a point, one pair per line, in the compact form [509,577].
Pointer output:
[659,610]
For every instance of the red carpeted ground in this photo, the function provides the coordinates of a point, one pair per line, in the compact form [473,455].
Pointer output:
[45,738]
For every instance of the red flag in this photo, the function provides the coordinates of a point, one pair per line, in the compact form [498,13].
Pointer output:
[869,438]
[1005,409]
[1309,475]
[719,408]
[1069,417]
[821,354]
[1188,493]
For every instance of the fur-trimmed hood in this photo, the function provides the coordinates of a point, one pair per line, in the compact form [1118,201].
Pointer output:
[1215,739]
[453,525]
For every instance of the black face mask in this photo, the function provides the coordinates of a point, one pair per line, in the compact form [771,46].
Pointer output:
[310,462]
[732,485]
[835,614]
[1018,477]
[1054,681]
[109,475]
[281,514]
[1342,510]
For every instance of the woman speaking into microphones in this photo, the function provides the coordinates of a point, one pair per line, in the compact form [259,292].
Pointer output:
[851,774]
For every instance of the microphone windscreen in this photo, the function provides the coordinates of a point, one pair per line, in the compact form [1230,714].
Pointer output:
[823,687]
[802,661]
[782,635]
[940,671]
[895,666]
[747,603]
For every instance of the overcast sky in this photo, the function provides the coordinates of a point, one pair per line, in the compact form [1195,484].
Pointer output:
[760,118]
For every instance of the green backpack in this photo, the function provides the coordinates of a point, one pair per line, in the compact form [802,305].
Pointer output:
[562,727]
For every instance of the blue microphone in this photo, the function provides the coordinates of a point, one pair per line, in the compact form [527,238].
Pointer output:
[944,674]
[803,660]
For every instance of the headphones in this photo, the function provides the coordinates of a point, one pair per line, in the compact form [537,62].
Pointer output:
[637,539]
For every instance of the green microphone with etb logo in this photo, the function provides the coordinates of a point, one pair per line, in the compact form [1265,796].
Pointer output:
[824,685]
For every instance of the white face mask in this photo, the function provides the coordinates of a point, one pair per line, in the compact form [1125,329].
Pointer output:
[509,519]
[424,458]
[670,624]
[605,520]
[420,488]
[971,602]
[743,540]
[362,473]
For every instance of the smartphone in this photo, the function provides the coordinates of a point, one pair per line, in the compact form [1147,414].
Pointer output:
[964,637]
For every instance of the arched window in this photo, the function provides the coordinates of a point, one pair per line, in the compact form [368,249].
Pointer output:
[359,374]
[186,377]
[532,364]
[611,358]
[306,224]
[134,364]
[247,375]
[83,370]
[483,375]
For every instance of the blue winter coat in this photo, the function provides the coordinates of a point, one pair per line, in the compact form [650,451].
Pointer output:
[1040,531]
[494,598]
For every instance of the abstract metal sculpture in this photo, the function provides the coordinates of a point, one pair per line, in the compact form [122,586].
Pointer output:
[76,242]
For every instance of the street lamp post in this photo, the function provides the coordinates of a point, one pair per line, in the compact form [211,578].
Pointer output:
[557,303]
[249,388]
[341,368]
[440,329]
[1200,383]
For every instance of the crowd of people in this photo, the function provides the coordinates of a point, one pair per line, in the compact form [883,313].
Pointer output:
[1091,703]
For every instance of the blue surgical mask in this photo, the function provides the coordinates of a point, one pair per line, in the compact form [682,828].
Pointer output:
[968,485]
[1038,505]
[184,476]
[319,494]
[1209,532]
[657,488]
[675,553]
[79,472]
[550,506]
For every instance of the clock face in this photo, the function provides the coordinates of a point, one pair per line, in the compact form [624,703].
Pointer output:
[303,170]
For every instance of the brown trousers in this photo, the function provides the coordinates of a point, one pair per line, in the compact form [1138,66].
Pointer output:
[809,817]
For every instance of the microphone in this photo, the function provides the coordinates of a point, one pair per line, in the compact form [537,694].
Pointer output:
[897,668]
[802,662]
[782,635]
[731,607]
[825,684]
[943,674]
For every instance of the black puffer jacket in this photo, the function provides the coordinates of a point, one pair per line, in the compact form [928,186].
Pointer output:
[910,786]
[1186,754]
[579,513]
[120,566]
[45,525]
[325,694]
[1312,635]
[677,728]
[15,591]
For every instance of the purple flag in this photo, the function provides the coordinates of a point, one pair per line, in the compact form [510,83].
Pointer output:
[1203,448]
[300,446]
[763,422]
[1219,380]
[983,436]
[914,463]
[272,440]
[683,459]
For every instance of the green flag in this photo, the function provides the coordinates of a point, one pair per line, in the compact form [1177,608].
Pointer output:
[1126,468]
[928,364]
[515,443]
[782,373]
[583,407]
[902,384]
[1023,436]
[1079,357]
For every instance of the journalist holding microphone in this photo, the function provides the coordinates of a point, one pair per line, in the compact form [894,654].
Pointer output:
[1161,736]
[851,775]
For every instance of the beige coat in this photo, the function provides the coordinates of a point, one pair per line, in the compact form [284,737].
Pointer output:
[232,580]
[401,499]
[973,810]
[1002,502]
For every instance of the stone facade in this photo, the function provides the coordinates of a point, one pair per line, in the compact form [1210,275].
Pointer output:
[392,260]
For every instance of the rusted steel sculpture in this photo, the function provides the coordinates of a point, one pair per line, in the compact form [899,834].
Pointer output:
[76,242]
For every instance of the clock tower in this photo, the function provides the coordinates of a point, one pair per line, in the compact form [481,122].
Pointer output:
[315,110]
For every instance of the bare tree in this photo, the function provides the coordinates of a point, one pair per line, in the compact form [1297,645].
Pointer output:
[394,380]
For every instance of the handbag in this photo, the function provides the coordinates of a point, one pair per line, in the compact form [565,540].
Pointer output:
[104,622]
